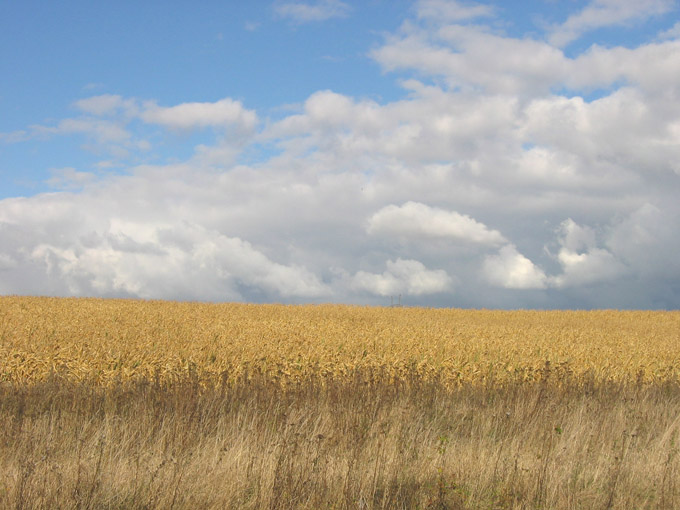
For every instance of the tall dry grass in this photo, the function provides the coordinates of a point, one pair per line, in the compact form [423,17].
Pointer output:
[113,404]
[345,445]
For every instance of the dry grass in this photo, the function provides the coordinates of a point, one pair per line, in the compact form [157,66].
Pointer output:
[349,445]
[104,341]
[152,405]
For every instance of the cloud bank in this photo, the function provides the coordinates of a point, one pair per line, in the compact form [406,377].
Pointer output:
[508,174]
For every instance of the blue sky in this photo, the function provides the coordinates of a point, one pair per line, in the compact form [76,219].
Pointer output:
[495,154]
[58,53]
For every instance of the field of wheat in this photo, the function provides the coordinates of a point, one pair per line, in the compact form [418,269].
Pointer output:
[106,341]
[168,405]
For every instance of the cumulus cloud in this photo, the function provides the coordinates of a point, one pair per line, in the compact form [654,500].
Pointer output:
[582,261]
[149,259]
[429,127]
[504,169]
[106,120]
[512,270]
[416,220]
[223,113]
[408,277]
[325,111]
[304,12]
[468,57]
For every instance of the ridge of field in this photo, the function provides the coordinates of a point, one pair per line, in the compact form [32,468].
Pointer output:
[105,341]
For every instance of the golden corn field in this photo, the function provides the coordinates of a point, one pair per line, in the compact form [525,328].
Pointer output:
[105,341]
[168,405]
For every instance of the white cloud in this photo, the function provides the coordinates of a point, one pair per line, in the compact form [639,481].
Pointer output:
[671,33]
[102,131]
[652,67]
[416,220]
[512,270]
[551,168]
[69,178]
[21,135]
[603,13]
[302,12]
[408,277]
[154,260]
[460,182]
[431,126]
[106,104]
[223,113]
[451,10]
[623,130]
[594,266]
[106,123]
[469,57]
[326,111]
[582,261]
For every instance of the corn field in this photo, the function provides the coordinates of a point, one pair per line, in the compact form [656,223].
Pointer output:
[103,342]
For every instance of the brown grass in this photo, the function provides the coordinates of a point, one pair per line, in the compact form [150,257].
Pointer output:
[349,444]
[104,341]
[113,404]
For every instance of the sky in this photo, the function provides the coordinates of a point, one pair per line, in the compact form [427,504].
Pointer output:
[439,153]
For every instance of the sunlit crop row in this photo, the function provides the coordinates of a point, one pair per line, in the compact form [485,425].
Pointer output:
[105,341]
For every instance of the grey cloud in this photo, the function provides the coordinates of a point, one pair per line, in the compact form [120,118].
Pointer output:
[7,262]
[645,239]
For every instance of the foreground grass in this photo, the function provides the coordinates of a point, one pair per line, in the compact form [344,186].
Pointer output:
[346,444]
